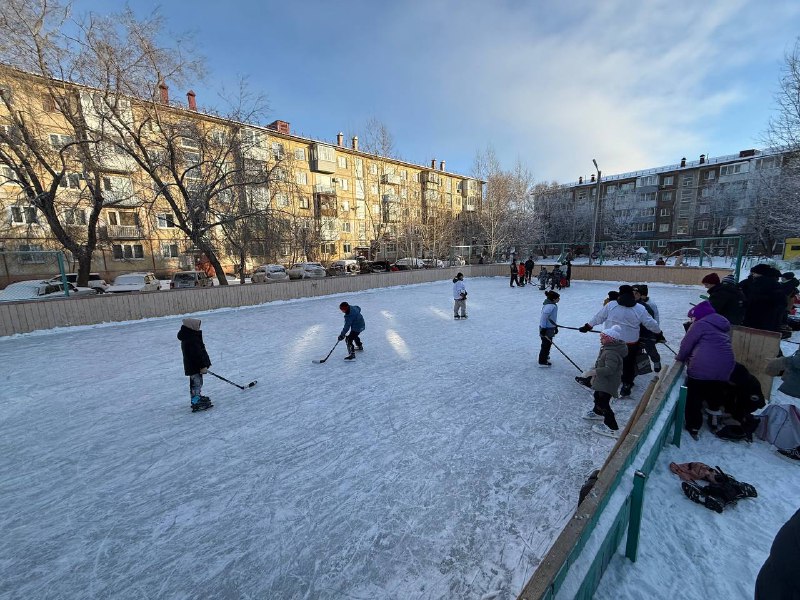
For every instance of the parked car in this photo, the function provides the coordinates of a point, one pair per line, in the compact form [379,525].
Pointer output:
[306,270]
[269,274]
[134,282]
[376,266]
[410,263]
[39,289]
[433,263]
[95,281]
[190,279]
[345,267]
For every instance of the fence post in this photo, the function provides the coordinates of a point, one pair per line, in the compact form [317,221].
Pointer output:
[702,249]
[60,258]
[680,409]
[739,251]
[635,518]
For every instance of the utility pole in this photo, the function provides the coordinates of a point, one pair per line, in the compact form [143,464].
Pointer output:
[596,213]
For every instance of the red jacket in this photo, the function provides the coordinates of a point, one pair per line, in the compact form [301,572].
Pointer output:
[521,269]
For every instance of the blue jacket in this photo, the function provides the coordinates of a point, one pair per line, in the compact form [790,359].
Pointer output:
[353,320]
[549,315]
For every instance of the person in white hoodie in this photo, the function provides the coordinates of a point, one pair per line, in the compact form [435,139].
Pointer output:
[629,315]
[548,326]
[459,297]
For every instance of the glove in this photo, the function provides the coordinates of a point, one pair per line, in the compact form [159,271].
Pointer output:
[340,338]
[556,331]
[660,339]
[585,329]
[204,370]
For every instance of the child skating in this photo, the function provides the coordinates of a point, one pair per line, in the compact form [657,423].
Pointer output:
[195,362]
[606,378]
[547,327]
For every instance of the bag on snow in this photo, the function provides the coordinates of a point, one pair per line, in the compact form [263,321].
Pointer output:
[643,363]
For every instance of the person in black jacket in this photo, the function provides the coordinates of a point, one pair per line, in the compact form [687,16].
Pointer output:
[727,299]
[766,300]
[777,579]
[529,265]
[195,362]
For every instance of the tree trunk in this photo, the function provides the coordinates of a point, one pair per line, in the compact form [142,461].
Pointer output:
[211,255]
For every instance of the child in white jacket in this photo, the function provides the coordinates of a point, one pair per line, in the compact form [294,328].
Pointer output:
[548,326]
[459,297]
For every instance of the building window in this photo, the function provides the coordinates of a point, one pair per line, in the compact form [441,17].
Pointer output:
[277,150]
[345,206]
[75,216]
[648,212]
[341,161]
[128,251]
[403,174]
[732,169]
[663,228]
[687,181]
[683,229]
[48,103]
[279,174]
[58,141]
[709,175]
[373,188]
[344,184]
[35,255]
[649,180]
[23,215]
[664,212]
[299,153]
[373,169]
[303,202]
[347,248]
[662,243]
[301,178]
[648,197]
[169,250]
[668,180]
[328,248]
[346,226]
[702,226]
[165,221]
[282,199]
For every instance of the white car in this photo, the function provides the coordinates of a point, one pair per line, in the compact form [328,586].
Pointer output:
[41,290]
[269,274]
[306,270]
[410,263]
[95,281]
[134,282]
[345,267]
[433,263]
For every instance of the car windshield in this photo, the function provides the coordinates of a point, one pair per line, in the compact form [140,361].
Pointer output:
[313,266]
[276,269]
[184,277]
[129,280]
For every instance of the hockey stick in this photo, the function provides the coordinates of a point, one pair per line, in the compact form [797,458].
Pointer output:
[241,387]
[573,328]
[319,362]
[565,356]
[670,349]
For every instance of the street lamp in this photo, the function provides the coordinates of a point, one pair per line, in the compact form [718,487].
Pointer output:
[596,212]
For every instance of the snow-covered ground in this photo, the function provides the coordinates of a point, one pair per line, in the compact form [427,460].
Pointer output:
[440,464]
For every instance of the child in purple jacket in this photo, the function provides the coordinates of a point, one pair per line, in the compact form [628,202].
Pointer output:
[708,353]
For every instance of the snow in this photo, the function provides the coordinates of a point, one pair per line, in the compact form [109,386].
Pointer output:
[441,463]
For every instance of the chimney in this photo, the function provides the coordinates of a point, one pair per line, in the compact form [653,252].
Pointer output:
[340,139]
[279,126]
[702,158]
[190,98]
[441,166]
[355,142]
[580,180]
[593,178]
[163,90]
[683,161]
[433,163]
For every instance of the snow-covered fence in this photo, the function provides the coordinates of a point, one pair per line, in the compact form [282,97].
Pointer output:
[645,274]
[23,317]
[575,563]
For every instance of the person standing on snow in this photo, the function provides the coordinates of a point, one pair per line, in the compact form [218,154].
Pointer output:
[647,337]
[521,274]
[548,326]
[725,296]
[195,362]
[625,312]
[542,277]
[353,322]
[529,265]
[605,380]
[459,297]
[765,299]
[514,273]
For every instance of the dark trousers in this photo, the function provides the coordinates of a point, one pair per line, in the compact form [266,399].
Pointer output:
[649,345]
[528,276]
[629,364]
[698,391]
[351,339]
[602,406]
[514,279]
[547,342]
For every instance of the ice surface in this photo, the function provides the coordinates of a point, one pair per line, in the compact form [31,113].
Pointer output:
[441,463]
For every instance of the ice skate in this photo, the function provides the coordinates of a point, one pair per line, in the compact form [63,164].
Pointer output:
[605,430]
[592,416]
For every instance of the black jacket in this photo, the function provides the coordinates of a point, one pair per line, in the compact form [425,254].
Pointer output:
[766,304]
[195,356]
[728,300]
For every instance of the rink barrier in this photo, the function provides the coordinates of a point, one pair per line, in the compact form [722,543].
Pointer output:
[24,317]
[574,565]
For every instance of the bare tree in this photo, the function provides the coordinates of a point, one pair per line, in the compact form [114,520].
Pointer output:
[495,216]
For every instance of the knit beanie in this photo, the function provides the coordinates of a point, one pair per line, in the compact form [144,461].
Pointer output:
[711,278]
[552,296]
[641,288]
[612,333]
[625,289]
[761,269]
[612,295]
[193,324]
[701,310]
[729,279]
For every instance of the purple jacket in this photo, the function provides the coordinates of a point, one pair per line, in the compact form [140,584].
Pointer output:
[707,349]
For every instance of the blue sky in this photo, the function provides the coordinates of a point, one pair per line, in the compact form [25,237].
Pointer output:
[553,84]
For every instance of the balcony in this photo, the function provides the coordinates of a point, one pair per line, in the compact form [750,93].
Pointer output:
[390,198]
[324,189]
[430,177]
[391,179]
[124,232]
[323,158]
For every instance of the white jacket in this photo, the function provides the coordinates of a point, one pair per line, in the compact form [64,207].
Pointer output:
[458,290]
[628,319]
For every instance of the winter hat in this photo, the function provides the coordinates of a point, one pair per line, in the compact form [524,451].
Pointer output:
[193,324]
[460,276]
[711,278]
[641,288]
[787,276]
[761,269]
[729,279]
[625,289]
[552,296]
[612,333]
[701,310]
[612,295]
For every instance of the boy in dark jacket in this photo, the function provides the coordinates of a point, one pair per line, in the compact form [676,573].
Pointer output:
[726,298]
[195,362]
[354,322]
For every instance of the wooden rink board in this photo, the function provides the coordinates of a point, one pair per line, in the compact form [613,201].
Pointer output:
[753,348]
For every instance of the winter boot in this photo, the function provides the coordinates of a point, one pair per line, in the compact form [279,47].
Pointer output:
[738,488]
[792,454]
[360,347]
[584,381]
[657,367]
[456,317]
[698,494]
[625,390]
[545,365]
[201,403]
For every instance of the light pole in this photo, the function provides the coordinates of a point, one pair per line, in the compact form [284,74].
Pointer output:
[596,212]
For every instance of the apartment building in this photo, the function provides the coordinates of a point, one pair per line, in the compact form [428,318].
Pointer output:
[321,200]
[674,204]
